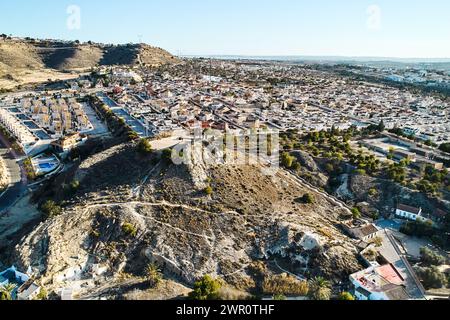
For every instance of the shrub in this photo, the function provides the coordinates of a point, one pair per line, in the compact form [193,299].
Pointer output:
[206,288]
[287,160]
[432,278]
[431,258]
[418,229]
[167,155]
[284,285]
[378,242]
[28,166]
[153,274]
[356,213]
[50,209]
[72,188]
[129,229]
[42,295]
[296,166]
[373,192]
[209,190]
[346,296]
[4,296]
[308,199]
[6,292]
[320,289]
[329,167]
[144,147]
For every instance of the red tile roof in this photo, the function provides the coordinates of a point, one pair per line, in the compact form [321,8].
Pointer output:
[391,274]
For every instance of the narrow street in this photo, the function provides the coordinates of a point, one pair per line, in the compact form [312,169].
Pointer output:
[18,179]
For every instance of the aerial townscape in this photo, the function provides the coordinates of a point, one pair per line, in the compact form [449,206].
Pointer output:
[129,173]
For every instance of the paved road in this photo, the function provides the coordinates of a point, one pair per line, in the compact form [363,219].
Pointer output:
[18,178]
[392,252]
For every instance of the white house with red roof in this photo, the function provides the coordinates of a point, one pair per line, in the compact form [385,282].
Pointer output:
[379,283]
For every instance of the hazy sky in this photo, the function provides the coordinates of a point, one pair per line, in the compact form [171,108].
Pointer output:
[388,28]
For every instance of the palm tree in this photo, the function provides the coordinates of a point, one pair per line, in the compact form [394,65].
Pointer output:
[320,289]
[153,274]
[6,291]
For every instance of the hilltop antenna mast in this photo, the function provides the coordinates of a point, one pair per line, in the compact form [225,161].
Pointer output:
[140,36]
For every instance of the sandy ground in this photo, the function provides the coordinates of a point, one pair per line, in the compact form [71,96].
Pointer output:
[165,143]
[17,216]
[24,77]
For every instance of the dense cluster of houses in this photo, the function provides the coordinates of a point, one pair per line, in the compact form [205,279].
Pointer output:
[40,122]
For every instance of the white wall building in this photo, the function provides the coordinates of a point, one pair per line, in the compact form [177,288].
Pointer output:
[410,213]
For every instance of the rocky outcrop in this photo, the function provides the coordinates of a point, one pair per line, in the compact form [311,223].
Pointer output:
[249,217]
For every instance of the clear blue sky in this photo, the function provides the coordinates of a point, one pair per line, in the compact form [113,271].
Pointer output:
[395,28]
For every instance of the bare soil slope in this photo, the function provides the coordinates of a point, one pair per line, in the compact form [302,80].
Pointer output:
[20,59]
[158,213]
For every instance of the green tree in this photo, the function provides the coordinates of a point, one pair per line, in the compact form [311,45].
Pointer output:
[432,278]
[6,292]
[42,295]
[346,296]
[320,289]
[356,213]
[206,288]
[287,160]
[430,258]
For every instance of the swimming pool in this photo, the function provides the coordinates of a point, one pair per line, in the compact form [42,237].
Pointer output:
[46,166]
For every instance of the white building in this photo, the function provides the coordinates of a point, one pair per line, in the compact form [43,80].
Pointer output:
[410,213]
[379,283]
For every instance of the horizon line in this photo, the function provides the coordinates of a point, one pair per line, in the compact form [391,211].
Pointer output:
[253,56]
[318,56]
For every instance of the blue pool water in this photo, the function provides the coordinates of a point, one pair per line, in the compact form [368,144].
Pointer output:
[46,166]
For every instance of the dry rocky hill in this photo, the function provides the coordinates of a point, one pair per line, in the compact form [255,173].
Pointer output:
[29,61]
[252,228]
[4,179]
